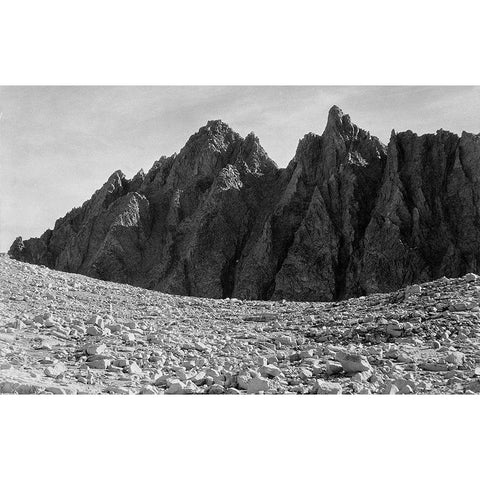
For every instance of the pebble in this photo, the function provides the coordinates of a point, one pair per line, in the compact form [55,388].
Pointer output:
[333,368]
[328,388]
[96,349]
[353,363]
[134,369]
[94,331]
[257,385]
[55,370]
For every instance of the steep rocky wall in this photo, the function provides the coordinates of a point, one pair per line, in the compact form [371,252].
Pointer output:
[348,216]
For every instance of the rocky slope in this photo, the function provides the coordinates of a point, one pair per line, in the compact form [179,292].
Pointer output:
[348,216]
[64,333]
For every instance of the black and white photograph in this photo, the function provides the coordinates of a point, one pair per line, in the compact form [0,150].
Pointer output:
[349,266]
[208,257]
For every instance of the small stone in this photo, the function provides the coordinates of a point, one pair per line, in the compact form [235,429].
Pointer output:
[121,362]
[257,385]
[264,317]
[407,390]
[353,363]
[199,378]
[93,320]
[100,364]
[434,367]
[200,346]
[59,390]
[412,290]
[332,368]
[232,391]
[391,389]
[286,340]
[94,331]
[216,389]
[149,390]
[161,380]
[455,358]
[100,322]
[55,370]
[175,387]
[96,349]
[18,324]
[134,369]
[362,376]
[305,373]
[470,277]
[270,371]
[328,388]
[242,381]
[307,353]
[128,337]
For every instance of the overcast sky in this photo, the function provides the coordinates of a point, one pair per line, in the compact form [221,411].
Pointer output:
[59,144]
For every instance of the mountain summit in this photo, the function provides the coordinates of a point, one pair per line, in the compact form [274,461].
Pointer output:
[348,216]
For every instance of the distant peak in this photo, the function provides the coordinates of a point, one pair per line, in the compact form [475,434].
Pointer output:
[117,174]
[252,138]
[213,128]
[337,120]
[216,126]
[335,113]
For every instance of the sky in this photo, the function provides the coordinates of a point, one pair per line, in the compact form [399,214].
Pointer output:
[59,144]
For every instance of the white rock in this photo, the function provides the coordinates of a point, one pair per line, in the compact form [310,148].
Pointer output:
[362,376]
[94,331]
[457,358]
[96,349]
[328,388]
[470,277]
[128,337]
[412,290]
[286,340]
[60,390]
[270,371]
[257,385]
[200,346]
[55,370]
[352,362]
[305,373]
[100,364]
[332,368]
[134,369]
[176,387]
[149,390]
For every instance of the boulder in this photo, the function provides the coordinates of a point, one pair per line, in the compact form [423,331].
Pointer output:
[352,362]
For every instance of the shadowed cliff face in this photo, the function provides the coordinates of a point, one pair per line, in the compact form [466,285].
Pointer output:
[426,222]
[348,216]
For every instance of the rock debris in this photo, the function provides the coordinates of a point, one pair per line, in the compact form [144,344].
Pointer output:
[63,333]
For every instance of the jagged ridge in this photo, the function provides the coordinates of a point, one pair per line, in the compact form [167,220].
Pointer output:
[347,217]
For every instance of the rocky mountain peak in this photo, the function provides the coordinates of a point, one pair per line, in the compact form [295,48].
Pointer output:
[339,122]
[216,129]
[346,217]
[215,136]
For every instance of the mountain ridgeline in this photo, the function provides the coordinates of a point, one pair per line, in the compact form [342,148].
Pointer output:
[349,216]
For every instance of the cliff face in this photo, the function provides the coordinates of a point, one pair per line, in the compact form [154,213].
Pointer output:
[426,221]
[348,216]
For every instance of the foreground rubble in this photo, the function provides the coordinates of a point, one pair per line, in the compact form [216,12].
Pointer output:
[63,333]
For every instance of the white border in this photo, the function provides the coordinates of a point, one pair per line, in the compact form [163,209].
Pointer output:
[248,42]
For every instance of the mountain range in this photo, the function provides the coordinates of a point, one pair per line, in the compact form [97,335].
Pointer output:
[347,217]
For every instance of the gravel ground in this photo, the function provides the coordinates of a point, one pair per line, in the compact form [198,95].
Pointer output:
[63,333]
